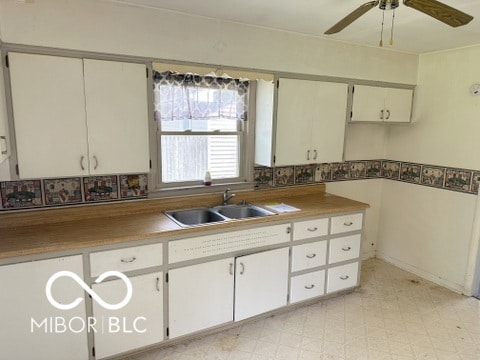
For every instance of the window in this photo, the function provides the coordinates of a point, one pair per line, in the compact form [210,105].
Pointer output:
[202,125]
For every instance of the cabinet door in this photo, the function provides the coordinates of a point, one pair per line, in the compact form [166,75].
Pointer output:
[137,324]
[328,128]
[4,137]
[117,110]
[368,103]
[200,296]
[295,111]
[398,105]
[261,282]
[31,327]
[49,115]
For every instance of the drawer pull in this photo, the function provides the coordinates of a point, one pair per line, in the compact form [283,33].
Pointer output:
[344,277]
[157,284]
[311,256]
[312,229]
[289,230]
[347,248]
[309,287]
[348,223]
[130,260]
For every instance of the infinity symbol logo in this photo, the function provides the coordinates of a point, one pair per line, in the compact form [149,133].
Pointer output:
[98,299]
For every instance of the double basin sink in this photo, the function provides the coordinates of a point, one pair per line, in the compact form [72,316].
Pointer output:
[215,214]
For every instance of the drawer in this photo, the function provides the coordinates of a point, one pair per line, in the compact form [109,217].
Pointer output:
[344,248]
[126,259]
[310,228]
[342,277]
[345,223]
[308,256]
[307,286]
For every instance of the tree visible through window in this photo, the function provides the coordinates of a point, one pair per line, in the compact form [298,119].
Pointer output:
[200,126]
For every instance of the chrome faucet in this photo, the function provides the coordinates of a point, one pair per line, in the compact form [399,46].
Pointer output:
[226,197]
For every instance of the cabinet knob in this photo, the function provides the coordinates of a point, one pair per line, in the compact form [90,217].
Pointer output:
[289,229]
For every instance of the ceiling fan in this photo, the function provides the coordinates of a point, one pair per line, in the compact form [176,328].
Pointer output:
[433,8]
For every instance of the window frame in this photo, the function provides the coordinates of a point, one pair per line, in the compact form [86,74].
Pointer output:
[244,181]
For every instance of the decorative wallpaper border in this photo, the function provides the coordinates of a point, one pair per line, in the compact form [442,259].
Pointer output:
[39,193]
[441,177]
[23,194]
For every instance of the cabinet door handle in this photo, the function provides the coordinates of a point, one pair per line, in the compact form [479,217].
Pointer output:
[311,256]
[381,114]
[157,284]
[344,277]
[315,154]
[242,271]
[4,138]
[129,260]
[312,229]
[289,229]
[230,271]
[347,248]
[81,162]
[348,223]
[308,154]
[309,287]
[388,114]
[96,162]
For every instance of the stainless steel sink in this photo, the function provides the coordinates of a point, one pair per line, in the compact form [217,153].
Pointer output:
[242,211]
[206,215]
[197,216]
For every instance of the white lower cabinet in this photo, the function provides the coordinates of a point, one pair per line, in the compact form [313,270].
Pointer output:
[342,277]
[202,296]
[139,323]
[307,286]
[31,326]
[261,283]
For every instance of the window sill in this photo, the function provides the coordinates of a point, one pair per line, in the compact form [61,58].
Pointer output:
[199,189]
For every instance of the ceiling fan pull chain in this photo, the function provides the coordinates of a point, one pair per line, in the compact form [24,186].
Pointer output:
[381,32]
[393,24]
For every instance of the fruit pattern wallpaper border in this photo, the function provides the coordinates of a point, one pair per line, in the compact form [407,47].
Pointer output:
[441,177]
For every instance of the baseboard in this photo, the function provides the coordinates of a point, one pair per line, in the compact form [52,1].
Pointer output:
[421,273]
[368,255]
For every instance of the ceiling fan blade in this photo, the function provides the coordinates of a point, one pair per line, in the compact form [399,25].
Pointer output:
[354,15]
[440,11]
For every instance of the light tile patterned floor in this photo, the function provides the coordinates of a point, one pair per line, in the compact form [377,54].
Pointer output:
[393,315]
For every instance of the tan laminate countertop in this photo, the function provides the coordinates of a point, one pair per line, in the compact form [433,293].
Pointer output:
[42,232]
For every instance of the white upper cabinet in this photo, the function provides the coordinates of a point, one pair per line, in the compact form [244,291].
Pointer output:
[381,104]
[310,124]
[78,116]
[4,137]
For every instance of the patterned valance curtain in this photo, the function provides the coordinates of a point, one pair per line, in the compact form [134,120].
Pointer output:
[191,96]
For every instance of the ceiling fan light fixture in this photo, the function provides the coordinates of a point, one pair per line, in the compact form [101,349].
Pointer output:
[389,4]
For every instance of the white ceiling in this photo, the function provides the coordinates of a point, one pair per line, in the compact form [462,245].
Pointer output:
[413,32]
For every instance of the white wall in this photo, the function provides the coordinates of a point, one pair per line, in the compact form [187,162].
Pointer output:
[424,229]
[101,26]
